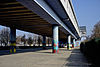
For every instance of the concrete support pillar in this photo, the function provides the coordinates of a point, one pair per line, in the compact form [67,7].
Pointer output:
[39,40]
[55,41]
[73,43]
[12,40]
[44,42]
[69,42]
[48,41]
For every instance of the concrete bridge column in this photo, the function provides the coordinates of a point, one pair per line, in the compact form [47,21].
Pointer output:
[39,40]
[69,42]
[48,41]
[55,41]
[44,42]
[72,43]
[12,40]
[73,40]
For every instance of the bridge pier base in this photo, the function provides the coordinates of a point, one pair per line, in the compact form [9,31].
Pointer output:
[55,41]
[12,40]
[44,42]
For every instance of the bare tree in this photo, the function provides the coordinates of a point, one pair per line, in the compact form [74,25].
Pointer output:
[30,39]
[18,39]
[4,36]
[34,40]
[39,40]
[96,31]
[23,39]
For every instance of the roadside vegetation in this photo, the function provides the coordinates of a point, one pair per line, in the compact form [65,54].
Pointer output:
[22,41]
[91,47]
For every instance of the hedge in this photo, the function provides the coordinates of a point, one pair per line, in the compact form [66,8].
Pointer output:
[91,49]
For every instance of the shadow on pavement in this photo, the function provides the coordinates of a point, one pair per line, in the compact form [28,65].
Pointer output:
[45,52]
[61,49]
[7,52]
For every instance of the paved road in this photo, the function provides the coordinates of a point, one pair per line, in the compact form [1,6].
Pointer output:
[44,58]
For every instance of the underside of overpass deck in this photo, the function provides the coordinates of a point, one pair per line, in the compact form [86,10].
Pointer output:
[39,17]
[12,13]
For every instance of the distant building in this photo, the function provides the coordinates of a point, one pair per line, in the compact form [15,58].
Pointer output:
[83,32]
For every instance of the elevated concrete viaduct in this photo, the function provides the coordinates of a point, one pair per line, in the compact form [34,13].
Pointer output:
[52,18]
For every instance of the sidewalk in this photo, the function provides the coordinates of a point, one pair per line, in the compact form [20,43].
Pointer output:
[44,58]
[77,59]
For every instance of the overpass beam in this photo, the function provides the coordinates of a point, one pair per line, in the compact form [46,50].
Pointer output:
[44,42]
[12,40]
[55,41]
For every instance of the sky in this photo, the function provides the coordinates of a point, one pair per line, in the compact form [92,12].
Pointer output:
[87,13]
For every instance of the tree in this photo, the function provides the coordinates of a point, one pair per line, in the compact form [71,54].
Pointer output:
[23,39]
[30,40]
[34,40]
[18,39]
[39,40]
[96,31]
[4,36]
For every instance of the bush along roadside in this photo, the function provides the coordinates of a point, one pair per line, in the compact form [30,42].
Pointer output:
[91,50]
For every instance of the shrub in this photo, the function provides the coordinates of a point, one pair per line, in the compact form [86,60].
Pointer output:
[91,50]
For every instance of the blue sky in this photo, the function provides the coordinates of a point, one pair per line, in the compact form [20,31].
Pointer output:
[87,13]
